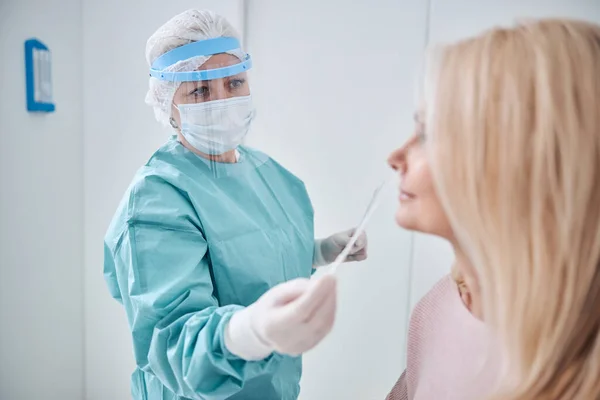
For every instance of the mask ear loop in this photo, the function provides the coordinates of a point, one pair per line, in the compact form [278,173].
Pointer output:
[172,120]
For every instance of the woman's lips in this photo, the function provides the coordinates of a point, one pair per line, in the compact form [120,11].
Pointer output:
[405,196]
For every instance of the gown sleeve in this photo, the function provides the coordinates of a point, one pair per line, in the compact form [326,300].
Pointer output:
[165,283]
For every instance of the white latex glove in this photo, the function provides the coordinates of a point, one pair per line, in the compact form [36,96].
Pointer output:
[327,250]
[290,319]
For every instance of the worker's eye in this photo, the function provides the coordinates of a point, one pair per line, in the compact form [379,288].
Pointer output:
[236,84]
[200,91]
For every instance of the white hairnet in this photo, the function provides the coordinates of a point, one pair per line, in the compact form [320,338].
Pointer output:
[187,27]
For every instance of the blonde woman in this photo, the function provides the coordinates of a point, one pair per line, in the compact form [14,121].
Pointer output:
[512,130]
[448,344]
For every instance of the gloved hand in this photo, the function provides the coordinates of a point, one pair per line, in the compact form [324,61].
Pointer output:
[290,319]
[327,250]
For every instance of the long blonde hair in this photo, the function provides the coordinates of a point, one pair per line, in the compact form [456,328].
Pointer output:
[513,119]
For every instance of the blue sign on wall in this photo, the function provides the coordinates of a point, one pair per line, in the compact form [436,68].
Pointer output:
[38,75]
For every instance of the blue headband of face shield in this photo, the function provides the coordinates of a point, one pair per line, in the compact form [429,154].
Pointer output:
[207,47]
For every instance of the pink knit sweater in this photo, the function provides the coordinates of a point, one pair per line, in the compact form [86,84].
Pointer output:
[450,354]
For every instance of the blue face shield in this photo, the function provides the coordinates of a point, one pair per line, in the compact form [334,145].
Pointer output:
[209,47]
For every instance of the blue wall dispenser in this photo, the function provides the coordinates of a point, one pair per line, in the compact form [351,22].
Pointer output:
[38,77]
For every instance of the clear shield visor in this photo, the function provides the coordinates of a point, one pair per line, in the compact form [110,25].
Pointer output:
[212,106]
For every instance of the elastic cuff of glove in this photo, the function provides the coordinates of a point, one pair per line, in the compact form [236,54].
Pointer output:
[242,340]
[318,260]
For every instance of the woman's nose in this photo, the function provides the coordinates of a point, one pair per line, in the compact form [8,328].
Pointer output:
[397,160]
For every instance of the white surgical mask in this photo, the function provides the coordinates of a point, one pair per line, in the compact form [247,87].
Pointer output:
[216,127]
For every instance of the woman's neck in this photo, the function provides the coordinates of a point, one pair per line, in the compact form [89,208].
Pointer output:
[464,276]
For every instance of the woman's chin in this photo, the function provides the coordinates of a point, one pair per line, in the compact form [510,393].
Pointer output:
[404,220]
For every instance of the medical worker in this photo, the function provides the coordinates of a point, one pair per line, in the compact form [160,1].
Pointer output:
[212,246]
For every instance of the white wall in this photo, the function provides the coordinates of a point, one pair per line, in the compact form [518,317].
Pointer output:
[334,85]
[120,135]
[41,209]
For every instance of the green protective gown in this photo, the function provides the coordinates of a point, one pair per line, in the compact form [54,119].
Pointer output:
[192,242]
